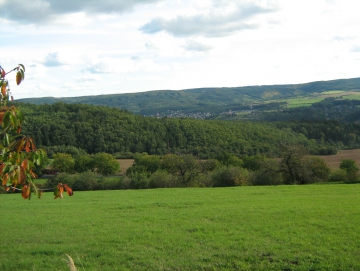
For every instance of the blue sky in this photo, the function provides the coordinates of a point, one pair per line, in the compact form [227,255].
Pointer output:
[92,47]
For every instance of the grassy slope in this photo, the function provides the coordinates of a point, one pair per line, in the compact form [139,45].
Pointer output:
[312,227]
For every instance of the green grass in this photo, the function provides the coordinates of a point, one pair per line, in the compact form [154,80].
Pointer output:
[298,102]
[353,97]
[314,227]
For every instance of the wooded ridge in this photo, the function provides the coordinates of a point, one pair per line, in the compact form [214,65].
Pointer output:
[204,100]
[104,129]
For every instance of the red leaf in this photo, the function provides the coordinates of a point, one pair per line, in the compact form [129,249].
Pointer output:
[68,190]
[26,191]
[58,191]
[3,89]
[18,78]
[27,145]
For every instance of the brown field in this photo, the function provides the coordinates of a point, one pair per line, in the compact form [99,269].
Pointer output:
[333,161]
[125,164]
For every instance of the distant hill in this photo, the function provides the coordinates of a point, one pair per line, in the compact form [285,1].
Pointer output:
[215,100]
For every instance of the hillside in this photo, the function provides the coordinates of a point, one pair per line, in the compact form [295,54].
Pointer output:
[205,100]
[104,129]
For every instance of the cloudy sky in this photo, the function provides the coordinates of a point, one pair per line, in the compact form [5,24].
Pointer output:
[90,47]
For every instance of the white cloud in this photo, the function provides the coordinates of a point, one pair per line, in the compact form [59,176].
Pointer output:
[52,60]
[40,11]
[88,77]
[355,48]
[78,47]
[222,21]
[192,45]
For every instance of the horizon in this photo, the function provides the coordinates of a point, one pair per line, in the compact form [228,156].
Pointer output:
[80,48]
[139,92]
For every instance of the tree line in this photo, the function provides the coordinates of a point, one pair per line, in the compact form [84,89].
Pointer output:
[294,166]
[91,129]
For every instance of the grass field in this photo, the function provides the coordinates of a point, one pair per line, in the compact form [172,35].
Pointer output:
[309,100]
[313,227]
[297,102]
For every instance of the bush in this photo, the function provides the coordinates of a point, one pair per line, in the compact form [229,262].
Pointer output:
[112,183]
[349,165]
[85,181]
[265,177]
[230,176]
[204,180]
[338,175]
[319,171]
[64,178]
[162,179]
[139,181]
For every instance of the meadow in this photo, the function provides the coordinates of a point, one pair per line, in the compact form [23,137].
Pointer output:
[312,227]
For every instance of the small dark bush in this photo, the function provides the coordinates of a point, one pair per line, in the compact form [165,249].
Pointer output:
[230,176]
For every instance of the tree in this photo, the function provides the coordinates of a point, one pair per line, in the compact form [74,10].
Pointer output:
[63,162]
[297,168]
[349,165]
[150,162]
[84,163]
[106,164]
[229,160]
[18,153]
[292,164]
[185,166]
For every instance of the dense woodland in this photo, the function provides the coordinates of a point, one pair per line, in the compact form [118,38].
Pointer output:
[94,129]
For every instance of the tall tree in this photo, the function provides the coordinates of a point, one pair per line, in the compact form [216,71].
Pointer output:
[106,164]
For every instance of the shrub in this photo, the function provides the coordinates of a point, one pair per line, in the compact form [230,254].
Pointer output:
[85,181]
[112,183]
[162,179]
[230,176]
[65,178]
[139,181]
[265,177]
[338,175]
[349,165]
[204,180]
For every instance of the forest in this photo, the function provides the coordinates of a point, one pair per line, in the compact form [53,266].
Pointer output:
[94,129]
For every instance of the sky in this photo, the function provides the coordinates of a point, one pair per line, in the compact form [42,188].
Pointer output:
[91,47]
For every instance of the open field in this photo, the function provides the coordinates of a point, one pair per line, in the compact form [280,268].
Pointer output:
[297,102]
[314,98]
[313,227]
[125,164]
[333,161]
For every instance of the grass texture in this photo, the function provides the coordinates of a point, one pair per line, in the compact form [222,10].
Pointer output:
[313,227]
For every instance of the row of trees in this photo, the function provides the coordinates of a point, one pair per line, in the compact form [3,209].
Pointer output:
[183,170]
[101,163]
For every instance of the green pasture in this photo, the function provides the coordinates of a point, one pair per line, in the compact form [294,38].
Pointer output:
[298,102]
[313,227]
[353,96]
